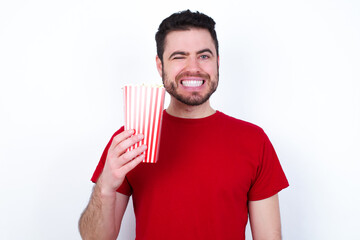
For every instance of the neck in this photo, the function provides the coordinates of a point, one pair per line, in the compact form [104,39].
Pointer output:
[181,110]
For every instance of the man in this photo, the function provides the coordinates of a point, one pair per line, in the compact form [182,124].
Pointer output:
[213,170]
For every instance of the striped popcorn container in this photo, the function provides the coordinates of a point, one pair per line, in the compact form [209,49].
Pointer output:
[143,108]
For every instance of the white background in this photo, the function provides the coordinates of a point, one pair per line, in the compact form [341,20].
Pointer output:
[291,67]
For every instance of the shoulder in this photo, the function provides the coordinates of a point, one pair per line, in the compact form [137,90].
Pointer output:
[118,131]
[239,125]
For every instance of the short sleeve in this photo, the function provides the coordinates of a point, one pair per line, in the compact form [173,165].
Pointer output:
[270,177]
[125,188]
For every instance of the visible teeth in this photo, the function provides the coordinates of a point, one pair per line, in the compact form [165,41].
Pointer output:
[192,83]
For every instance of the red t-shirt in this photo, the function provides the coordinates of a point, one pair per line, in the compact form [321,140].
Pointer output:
[207,171]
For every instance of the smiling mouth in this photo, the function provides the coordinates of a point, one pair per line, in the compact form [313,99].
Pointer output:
[192,83]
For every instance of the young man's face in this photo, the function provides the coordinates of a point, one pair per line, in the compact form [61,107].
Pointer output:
[190,66]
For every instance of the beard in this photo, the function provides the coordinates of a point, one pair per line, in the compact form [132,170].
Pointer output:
[195,98]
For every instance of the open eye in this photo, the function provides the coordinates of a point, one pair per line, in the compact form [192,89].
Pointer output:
[204,56]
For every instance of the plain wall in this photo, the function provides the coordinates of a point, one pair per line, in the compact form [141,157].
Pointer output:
[291,67]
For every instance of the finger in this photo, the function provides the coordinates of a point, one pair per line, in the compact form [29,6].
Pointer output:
[121,137]
[127,143]
[131,155]
[131,165]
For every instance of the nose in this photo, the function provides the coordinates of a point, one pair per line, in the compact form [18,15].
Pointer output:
[192,64]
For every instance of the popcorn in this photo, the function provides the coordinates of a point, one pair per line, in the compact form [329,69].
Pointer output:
[143,108]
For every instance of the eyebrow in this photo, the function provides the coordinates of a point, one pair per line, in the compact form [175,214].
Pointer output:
[186,53]
[205,50]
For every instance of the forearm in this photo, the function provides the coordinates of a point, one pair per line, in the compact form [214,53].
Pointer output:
[98,221]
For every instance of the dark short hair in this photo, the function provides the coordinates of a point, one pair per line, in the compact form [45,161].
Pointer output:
[184,20]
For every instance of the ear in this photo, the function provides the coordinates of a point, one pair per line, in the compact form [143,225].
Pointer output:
[218,60]
[159,65]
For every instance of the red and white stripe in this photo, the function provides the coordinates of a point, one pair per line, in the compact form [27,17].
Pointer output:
[143,108]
